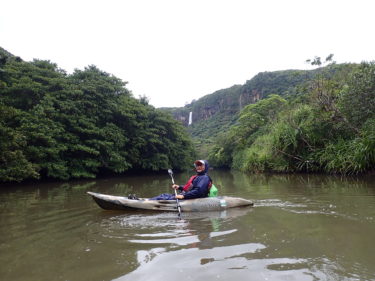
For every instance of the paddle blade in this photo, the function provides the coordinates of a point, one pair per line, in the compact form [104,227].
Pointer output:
[170,172]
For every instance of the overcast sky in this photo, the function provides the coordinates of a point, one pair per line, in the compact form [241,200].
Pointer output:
[174,51]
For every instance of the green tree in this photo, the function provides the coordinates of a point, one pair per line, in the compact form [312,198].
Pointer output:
[255,116]
[27,83]
[357,101]
[252,121]
[14,166]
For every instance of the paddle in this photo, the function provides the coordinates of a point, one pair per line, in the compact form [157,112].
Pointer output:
[170,172]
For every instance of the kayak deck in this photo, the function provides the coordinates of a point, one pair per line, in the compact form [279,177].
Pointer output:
[110,202]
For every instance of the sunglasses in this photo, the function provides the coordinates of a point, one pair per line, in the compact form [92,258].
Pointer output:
[198,165]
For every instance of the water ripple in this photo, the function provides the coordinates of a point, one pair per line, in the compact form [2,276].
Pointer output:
[181,241]
[312,207]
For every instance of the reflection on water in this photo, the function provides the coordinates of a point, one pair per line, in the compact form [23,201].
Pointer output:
[302,227]
[193,263]
[237,262]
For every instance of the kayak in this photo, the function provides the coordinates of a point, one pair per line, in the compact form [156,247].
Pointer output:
[110,202]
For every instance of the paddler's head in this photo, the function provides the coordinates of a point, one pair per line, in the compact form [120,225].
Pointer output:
[200,166]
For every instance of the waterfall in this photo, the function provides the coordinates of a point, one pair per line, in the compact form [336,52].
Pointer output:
[190,118]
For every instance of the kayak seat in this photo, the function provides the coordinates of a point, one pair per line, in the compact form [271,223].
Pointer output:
[133,197]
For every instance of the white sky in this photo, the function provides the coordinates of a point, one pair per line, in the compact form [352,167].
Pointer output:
[174,51]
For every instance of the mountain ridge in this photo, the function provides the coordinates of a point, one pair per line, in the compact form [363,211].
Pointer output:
[213,113]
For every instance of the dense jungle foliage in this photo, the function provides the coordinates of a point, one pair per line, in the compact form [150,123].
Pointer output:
[214,114]
[326,125]
[62,126]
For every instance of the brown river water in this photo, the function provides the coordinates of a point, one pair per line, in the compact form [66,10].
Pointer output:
[302,227]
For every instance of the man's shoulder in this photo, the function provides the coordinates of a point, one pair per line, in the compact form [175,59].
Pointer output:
[205,175]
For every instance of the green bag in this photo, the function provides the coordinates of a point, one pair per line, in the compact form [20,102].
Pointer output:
[213,191]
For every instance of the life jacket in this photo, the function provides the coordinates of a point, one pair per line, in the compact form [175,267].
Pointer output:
[189,184]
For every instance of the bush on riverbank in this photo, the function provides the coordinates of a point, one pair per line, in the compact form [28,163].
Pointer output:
[328,127]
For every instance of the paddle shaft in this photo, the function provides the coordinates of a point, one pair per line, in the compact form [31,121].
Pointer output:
[175,192]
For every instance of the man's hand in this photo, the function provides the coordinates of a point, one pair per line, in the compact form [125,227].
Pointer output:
[180,196]
[175,186]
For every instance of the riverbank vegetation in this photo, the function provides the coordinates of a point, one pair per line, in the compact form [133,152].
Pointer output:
[327,125]
[63,126]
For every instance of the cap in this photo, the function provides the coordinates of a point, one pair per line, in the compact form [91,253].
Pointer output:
[199,163]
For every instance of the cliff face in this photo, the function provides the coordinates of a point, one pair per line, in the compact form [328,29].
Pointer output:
[221,107]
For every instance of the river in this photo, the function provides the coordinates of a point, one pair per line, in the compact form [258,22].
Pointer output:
[302,227]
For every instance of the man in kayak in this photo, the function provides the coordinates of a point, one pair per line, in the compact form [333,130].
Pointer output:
[197,186]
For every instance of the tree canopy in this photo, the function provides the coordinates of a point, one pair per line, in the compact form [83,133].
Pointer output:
[59,125]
